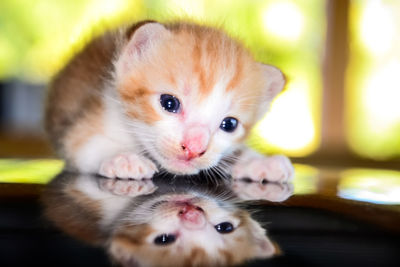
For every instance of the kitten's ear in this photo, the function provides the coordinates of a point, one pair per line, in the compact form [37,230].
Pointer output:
[275,80]
[142,38]
[264,248]
[122,254]
[274,84]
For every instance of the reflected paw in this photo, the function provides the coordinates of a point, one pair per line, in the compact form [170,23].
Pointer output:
[275,192]
[131,188]
[259,168]
[128,166]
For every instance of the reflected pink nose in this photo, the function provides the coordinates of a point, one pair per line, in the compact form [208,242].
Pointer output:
[192,216]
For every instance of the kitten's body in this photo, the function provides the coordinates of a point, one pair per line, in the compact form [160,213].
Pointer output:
[105,111]
[127,216]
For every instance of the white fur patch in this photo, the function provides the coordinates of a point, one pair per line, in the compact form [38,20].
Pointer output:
[116,139]
[111,205]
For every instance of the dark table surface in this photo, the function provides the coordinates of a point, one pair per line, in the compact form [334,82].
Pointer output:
[329,221]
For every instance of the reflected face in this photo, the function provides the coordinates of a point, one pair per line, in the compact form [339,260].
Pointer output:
[189,228]
[142,223]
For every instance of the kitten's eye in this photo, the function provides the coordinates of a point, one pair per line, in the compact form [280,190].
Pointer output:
[164,239]
[224,228]
[170,103]
[229,124]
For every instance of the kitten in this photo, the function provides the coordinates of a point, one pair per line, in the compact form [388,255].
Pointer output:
[143,224]
[174,97]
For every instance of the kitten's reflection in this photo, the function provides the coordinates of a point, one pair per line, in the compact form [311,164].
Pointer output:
[250,190]
[142,223]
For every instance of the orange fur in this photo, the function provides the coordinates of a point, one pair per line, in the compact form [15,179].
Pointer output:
[72,90]
[88,125]
[106,101]
[73,211]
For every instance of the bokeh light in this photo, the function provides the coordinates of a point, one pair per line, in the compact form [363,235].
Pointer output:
[298,136]
[283,19]
[381,97]
[306,180]
[29,171]
[377,27]
[373,78]
[376,186]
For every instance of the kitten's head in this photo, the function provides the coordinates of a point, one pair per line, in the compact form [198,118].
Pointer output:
[188,230]
[191,93]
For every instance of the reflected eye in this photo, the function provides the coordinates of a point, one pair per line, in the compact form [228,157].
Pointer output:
[229,124]
[164,239]
[170,103]
[224,228]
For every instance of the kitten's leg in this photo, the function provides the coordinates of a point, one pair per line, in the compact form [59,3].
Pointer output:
[128,165]
[258,167]
[106,156]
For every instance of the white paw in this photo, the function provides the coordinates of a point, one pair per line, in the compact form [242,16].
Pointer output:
[130,188]
[272,169]
[127,166]
[276,192]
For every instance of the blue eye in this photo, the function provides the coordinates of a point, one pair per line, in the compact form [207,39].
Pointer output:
[224,228]
[229,124]
[170,103]
[164,239]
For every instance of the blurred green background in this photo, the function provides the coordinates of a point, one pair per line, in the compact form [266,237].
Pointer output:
[37,37]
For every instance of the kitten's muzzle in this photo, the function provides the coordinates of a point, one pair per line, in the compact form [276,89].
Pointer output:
[195,142]
[191,154]
[192,217]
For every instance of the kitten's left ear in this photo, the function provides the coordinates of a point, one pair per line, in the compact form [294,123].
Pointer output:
[274,84]
[143,39]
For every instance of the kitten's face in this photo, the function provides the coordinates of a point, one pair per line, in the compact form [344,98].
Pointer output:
[191,94]
[186,230]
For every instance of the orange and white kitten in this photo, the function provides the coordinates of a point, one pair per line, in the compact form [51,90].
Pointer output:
[176,97]
[141,224]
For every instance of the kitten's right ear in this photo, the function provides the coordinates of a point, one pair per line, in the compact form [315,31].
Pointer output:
[274,84]
[142,38]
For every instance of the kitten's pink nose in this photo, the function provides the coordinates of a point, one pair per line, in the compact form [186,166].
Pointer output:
[191,154]
[195,142]
[192,217]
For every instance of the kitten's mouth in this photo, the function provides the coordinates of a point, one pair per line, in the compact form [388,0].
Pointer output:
[191,216]
[183,162]
[181,198]
[179,166]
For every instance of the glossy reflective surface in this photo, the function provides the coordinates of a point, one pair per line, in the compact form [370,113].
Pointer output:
[366,185]
[324,223]
[164,221]
[375,186]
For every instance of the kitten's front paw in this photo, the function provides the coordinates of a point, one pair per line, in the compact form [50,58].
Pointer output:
[273,169]
[128,166]
[129,188]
